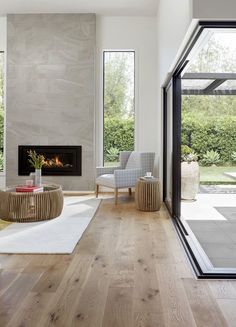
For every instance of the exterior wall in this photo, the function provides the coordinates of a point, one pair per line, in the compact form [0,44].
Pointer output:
[3,33]
[214,9]
[51,89]
[3,46]
[139,34]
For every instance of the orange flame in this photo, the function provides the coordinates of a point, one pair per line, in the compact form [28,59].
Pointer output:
[54,162]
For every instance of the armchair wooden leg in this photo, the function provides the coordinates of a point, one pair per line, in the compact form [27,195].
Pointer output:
[130,191]
[116,195]
[97,190]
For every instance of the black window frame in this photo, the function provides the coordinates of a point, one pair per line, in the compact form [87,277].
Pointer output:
[4,124]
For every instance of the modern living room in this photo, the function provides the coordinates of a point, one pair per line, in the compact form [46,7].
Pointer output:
[86,238]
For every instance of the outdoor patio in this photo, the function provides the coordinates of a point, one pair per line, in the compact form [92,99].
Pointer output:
[212,220]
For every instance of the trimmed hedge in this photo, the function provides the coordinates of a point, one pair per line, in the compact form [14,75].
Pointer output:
[118,133]
[1,130]
[218,134]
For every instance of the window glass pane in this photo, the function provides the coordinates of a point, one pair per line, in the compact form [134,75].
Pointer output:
[118,104]
[218,53]
[195,84]
[169,147]
[1,109]
[227,85]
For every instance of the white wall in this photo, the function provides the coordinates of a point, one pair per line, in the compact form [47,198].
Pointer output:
[3,46]
[139,34]
[174,22]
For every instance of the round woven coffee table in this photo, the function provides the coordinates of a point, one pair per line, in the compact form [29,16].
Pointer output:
[147,194]
[31,207]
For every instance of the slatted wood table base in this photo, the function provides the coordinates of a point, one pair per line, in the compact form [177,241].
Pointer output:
[147,195]
[31,207]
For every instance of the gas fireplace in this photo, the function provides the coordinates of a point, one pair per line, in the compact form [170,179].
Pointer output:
[59,159]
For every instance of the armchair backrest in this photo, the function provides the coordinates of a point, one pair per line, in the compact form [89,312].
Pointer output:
[124,156]
[143,160]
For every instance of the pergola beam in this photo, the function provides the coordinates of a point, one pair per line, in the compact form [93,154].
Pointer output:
[214,85]
[203,92]
[213,76]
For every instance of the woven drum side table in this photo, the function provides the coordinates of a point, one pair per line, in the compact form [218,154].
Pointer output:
[31,207]
[147,194]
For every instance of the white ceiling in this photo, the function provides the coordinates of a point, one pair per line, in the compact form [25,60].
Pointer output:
[102,7]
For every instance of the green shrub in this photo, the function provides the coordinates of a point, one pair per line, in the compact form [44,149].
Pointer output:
[217,134]
[1,129]
[185,150]
[210,158]
[1,161]
[118,134]
[112,154]
[233,156]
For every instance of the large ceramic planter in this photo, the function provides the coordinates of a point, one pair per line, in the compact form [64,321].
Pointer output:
[190,177]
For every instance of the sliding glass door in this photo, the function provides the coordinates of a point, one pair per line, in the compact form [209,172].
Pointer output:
[172,127]
[168,96]
[199,130]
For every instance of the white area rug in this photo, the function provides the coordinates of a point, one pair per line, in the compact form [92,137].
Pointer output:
[56,236]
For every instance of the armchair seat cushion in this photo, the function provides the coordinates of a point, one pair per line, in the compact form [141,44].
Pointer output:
[106,180]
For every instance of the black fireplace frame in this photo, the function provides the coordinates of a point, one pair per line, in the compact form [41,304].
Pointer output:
[76,170]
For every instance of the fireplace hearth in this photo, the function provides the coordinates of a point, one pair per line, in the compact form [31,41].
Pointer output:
[63,160]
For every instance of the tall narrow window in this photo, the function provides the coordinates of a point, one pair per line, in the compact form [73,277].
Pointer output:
[1,111]
[119,104]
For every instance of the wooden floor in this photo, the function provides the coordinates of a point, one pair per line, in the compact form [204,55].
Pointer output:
[129,270]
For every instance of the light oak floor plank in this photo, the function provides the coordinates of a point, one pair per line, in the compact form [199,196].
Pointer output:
[128,270]
[204,307]
[228,306]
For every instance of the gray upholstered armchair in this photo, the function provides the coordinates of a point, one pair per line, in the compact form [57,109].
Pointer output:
[132,166]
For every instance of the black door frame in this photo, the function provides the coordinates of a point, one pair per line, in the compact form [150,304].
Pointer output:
[176,138]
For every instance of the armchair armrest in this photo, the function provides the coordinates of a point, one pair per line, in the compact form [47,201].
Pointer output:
[105,170]
[126,177]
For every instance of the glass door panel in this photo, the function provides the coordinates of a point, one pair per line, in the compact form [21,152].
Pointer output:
[169,144]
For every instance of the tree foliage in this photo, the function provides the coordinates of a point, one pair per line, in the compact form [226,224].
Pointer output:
[209,121]
[215,57]
[118,104]
[119,85]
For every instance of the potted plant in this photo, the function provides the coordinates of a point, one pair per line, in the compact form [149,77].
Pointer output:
[37,162]
[190,173]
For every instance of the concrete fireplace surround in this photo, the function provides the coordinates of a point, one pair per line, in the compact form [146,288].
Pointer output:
[51,89]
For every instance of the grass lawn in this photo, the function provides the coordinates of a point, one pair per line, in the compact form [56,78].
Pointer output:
[111,164]
[208,175]
[215,175]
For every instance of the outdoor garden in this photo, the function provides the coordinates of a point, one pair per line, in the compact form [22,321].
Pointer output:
[213,140]
[118,104]
[209,121]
